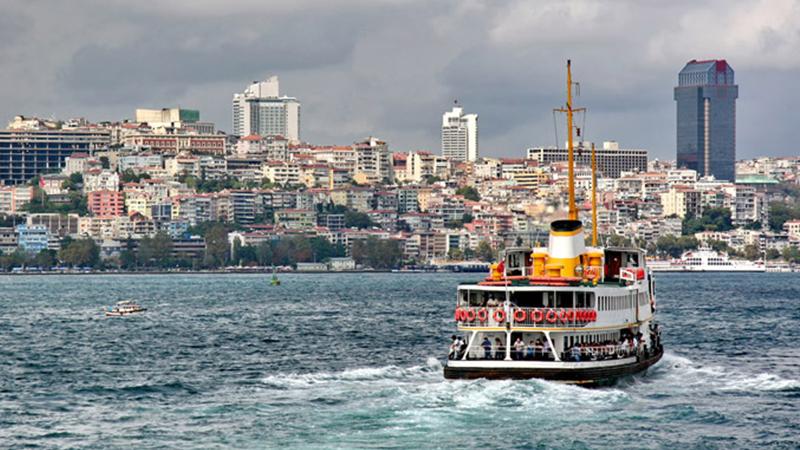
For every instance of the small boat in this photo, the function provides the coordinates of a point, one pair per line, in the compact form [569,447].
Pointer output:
[124,308]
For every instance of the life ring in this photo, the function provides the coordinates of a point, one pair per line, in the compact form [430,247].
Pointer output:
[562,315]
[590,272]
[458,315]
[592,316]
[550,316]
[499,315]
[520,315]
[470,315]
[583,315]
[537,315]
[571,313]
[482,315]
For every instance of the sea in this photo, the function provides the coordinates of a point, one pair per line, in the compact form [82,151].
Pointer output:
[351,361]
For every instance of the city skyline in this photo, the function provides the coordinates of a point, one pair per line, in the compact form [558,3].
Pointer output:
[359,84]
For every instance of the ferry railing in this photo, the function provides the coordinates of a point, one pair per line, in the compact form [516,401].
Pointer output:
[479,317]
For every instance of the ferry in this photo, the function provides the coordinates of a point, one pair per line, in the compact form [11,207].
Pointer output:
[705,259]
[124,308]
[567,312]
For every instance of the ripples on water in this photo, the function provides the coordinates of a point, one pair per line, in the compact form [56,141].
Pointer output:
[345,361]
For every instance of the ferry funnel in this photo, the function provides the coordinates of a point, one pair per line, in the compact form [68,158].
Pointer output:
[565,248]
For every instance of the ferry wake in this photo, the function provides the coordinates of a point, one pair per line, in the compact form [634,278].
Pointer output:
[565,312]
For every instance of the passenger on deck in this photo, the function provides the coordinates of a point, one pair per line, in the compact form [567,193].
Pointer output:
[492,303]
[462,347]
[487,348]
[519,348]
[452,354]
[576,352]
[499,350]
[530,350]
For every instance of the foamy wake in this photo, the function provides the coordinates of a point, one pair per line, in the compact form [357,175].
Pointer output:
[687,373]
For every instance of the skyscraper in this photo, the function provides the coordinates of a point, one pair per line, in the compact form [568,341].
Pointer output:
[706,132]
[460,135]
[261,110]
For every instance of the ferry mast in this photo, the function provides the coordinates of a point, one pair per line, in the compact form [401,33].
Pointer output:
[569,110]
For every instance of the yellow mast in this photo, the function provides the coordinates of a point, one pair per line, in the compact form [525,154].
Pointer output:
[573,210]
[594,198]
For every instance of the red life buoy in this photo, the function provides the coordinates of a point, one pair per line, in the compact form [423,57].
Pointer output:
[582,314]
[571,313]
[499,315]
[562,315]
[550,316]
[520,315]
[458,314]
[482,315]
[537,315]
[470,315]
[592,316]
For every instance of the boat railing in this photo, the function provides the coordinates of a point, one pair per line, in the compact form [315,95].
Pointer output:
[480,317]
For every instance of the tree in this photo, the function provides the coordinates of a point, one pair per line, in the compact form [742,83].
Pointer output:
[356,219]
[377,253]
[81,253]
[484,252]
[467,218]
[236,248]
[469,193]
[45,259]
[155,251]
[104,162]
[773,254]
[791,254]
[455,254]
[216,246]
[752,252]
[712,219]
[780,213]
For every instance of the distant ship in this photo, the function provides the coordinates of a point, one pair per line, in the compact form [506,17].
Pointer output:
[124,308]
[565,312]
[706,260]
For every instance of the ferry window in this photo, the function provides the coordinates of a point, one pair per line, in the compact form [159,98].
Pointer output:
[463,297]
[563,299]
[528,299]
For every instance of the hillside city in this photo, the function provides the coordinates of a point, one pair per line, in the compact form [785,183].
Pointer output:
[168,191]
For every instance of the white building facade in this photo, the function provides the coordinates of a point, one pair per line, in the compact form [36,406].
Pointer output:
[460,135]
[262,111]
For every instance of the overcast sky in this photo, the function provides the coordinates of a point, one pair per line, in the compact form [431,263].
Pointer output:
[390,68]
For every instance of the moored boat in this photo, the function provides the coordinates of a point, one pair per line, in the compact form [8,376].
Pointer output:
[566,312]
[705,259]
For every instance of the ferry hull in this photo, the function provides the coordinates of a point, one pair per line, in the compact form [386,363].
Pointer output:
[590,376]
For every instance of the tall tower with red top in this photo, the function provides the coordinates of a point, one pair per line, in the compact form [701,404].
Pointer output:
[706,133]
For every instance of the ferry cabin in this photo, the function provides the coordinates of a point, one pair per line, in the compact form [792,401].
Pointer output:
[620,304]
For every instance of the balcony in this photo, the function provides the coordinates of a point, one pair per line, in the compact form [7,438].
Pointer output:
[484,317]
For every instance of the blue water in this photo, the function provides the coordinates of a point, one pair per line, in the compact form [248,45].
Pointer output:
[352,361]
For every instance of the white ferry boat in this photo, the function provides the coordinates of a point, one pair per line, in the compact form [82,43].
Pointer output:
[565,312]
[706,260]
[124,308]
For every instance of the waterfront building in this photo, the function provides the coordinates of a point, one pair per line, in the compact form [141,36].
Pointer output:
[33,238]
[8,240]
[26,153]
[706,118]
[459,135]
[261,110]
[611,160]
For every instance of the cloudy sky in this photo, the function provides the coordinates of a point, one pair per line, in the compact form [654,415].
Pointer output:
[390,68]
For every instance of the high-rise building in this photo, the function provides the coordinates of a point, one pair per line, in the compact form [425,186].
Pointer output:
[611,160]
[26,153]
[261,110]
[706,133]
[373,162]
[460,135]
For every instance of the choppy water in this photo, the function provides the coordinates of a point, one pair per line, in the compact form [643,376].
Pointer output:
[350,361]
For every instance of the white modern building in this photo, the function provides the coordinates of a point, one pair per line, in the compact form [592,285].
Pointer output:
[261,110]
[460,135]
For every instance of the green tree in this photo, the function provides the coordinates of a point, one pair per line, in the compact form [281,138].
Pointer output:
[45,259]
[752,252]
[791,254]
[216,246]
[469,193]
[780,213]
[773,254]
[80,253]
[467,218]
[356,219]
[155,251]
[377,253]
[484,251]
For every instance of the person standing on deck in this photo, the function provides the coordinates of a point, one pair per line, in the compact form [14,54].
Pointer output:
[487,348]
